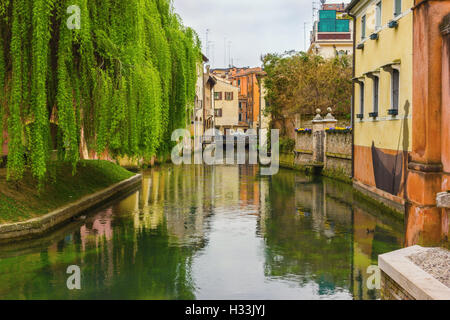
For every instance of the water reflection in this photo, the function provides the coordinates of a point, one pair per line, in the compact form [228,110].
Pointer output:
[202,232]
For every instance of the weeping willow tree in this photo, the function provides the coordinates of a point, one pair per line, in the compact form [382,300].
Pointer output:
[123,81]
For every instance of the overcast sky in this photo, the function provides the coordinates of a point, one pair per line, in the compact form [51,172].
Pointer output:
[254,27]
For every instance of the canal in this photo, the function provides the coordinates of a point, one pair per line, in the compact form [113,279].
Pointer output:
[222,232]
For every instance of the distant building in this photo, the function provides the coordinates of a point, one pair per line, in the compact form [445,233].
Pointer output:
[197,114]
[208,107]
[226,106]
[332,34]
[249,95]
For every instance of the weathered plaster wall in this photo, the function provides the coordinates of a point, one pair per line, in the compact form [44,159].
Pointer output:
[334,148]
[390,290]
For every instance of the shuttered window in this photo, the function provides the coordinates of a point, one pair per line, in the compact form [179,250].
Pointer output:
[376,89]
[361,97]
[378,16]
[395,88]
[363,27]
[398,7]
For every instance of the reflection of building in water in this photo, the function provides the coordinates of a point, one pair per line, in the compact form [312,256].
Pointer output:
[249,186]
[226,179]
[327,238]
[264,206]
[96,228]
[370,236]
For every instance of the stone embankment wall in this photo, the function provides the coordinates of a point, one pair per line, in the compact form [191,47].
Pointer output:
[320,146]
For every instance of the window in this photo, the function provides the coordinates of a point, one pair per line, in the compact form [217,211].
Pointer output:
[363,27]
[378,16]
[218,113]
[239,82]
[228,96]
[217,95]
[240,116]
[376,89]
[361,98]
[397,7]
[240,105]
[395,88]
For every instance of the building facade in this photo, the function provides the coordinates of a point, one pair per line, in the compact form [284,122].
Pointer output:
[208,106]
[197,113]
[401,106]
[226,106]
[332,34]
[246,79]
[382,97]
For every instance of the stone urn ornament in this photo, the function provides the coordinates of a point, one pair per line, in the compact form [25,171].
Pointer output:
[318,116]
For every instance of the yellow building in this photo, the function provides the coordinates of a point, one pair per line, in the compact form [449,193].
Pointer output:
[226,105]
[382,97]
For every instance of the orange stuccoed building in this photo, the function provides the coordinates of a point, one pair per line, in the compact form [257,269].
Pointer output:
[249,93]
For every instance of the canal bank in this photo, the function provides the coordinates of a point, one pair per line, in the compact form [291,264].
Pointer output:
[28,210]
[287,161]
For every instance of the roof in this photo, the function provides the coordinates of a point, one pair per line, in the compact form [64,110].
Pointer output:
[351,5]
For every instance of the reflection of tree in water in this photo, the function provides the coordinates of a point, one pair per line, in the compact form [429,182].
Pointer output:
[295,248]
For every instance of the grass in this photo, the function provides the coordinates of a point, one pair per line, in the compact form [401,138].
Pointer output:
[25,200]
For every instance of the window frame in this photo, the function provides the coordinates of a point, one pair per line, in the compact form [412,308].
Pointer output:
[378,15]
[217,95]
[361,97]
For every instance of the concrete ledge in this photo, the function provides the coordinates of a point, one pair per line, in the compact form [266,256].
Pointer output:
[339,156]
[411,278]
[443,200]
[381,196]
[40,225]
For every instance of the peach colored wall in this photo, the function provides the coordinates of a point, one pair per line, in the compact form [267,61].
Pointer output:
[365,173]
[427,224]
[446,105]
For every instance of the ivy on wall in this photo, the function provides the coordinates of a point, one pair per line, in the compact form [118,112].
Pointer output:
[126,78]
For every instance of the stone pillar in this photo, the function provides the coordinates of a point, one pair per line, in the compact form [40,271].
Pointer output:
[328,122]
[318,133]
[445,31]
[424,220]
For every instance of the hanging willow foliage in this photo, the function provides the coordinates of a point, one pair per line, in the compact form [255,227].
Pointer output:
[126,78]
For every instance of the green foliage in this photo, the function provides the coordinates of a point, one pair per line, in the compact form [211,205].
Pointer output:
[126,79]
[287,145]
[300,83]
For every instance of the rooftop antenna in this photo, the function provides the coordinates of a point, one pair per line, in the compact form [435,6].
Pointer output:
[213,52]
[304,34]
[207,43]
[315,8]
[229,54]
[225,52]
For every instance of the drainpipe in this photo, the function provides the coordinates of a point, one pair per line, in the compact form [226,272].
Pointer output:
[353,97]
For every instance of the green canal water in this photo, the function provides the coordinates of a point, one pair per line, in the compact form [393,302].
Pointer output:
[222,232]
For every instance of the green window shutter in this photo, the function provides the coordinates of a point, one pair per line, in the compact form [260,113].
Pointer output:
[327,14]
